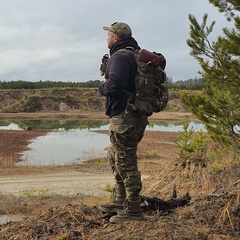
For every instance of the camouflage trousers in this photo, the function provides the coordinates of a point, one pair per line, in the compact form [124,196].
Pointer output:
[126,131]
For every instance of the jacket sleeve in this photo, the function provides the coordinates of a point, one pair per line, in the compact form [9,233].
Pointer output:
[117,76]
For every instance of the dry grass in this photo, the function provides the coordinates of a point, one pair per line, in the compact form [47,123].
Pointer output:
[213,213]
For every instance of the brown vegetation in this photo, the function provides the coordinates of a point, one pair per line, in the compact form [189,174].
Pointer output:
[213,185]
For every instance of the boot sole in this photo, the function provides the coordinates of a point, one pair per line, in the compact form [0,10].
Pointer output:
[112,210]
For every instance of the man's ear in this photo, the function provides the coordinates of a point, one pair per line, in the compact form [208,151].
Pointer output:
[116,38]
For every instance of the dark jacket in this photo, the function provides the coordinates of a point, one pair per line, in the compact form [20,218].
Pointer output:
[120,76]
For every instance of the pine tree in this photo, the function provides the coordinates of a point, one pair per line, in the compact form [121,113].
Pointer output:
[218,107]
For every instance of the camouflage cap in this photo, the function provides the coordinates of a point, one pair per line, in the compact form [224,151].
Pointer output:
[120,28]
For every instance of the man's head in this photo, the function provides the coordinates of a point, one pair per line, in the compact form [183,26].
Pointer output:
[116,31]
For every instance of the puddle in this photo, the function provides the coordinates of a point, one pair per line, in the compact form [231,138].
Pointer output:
[10,218]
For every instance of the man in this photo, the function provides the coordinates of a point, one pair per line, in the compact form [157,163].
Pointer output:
[126,126]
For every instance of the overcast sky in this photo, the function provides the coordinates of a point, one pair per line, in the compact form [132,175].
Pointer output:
[63,40]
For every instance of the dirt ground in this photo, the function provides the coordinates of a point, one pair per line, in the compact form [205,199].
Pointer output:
[61,202]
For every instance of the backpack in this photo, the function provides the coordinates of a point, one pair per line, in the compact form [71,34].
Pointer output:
[150,95]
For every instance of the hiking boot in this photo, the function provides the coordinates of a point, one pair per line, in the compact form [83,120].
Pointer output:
[132,212]
[117,202]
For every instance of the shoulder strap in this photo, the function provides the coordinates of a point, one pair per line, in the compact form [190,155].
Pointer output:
[129,49]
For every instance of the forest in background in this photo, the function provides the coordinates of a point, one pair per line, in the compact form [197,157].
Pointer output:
[190,84]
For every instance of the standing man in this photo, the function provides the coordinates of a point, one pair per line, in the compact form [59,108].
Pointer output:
[126,125]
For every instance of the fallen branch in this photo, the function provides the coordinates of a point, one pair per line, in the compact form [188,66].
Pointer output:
[162,205]
[159,204]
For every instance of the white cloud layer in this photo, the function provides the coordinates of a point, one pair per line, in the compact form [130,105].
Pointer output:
[63,40]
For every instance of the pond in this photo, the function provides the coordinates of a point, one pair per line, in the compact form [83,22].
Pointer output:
[73,141]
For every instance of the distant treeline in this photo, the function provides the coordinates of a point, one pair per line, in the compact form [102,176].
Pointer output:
[21,84]
[191,84]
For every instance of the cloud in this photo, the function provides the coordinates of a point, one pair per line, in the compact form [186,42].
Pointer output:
[64,40]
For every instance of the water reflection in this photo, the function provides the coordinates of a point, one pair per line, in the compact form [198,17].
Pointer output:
[170,127]
[64,148]
[51,124]
[72,125]
[72,141]
[11,126]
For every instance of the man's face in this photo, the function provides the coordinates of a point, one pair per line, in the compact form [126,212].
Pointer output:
[111,39]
